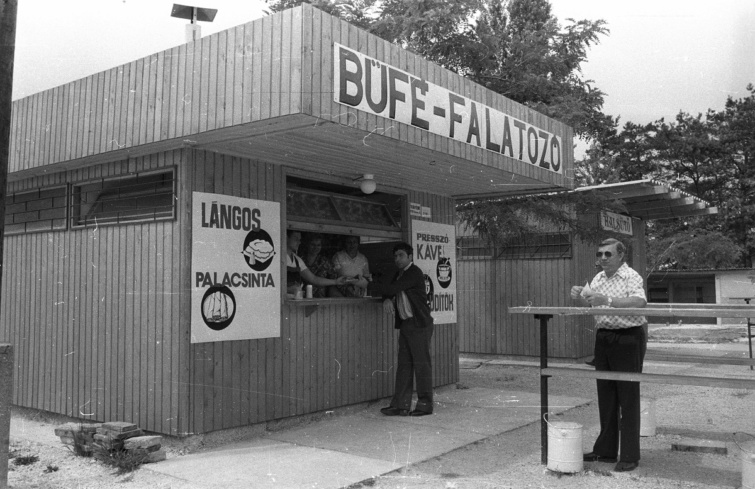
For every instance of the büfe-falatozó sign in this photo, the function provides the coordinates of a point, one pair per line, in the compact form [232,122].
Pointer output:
[235,268]
[372,86]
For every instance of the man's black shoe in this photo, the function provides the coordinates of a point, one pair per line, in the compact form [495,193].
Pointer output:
[625,466]
[593,457]
[590,362]
[419,413]
[394,411]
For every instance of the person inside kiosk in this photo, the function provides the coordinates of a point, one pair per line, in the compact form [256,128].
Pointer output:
[352,264]
[318,262]
[297,272]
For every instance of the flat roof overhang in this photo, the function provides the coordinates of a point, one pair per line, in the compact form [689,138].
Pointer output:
[316,147]
[653,200]
[283,90]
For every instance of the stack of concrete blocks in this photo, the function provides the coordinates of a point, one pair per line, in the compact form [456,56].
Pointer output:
[150,446]
[112,436]
[84,432]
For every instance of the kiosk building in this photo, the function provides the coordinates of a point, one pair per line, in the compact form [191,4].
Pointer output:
[147,210]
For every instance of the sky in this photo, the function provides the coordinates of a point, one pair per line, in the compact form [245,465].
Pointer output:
[661,56]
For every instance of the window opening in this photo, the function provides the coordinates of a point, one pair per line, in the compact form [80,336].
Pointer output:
[135,198]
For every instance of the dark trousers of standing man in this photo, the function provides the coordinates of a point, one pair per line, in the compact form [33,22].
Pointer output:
[619,350]
[414,361]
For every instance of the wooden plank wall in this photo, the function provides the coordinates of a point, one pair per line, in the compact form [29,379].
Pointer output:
[247,73]
[339,355]
[321,30]
[234,383]
[489,287]
[93,314]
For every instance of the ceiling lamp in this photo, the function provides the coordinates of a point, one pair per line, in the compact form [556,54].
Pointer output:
[367,183]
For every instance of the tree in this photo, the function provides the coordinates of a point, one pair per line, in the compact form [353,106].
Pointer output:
[618,156]
[711,156]
[736,135]
[511,220]
[692,249]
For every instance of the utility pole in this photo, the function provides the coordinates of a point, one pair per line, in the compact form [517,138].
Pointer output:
[8,9]
[194,14]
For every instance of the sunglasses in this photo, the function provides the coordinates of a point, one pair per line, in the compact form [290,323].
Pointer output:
[607,254]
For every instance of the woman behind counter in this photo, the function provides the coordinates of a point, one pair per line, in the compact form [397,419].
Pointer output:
[297,271]
[317,263]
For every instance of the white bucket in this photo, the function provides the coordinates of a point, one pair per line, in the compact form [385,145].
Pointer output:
[748,465]
[564,446]
[647,416]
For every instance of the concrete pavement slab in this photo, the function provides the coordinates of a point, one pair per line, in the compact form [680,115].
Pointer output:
[498,398]
[397,439]
[265,463]
[346,449]
[460,418]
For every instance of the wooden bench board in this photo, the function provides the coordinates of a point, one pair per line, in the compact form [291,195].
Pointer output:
[724,382]
[677,310]
[673,358]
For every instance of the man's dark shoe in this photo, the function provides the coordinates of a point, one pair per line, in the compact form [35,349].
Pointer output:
[590,362]
[625,466]
[419,413]
[394,411]
[594,457]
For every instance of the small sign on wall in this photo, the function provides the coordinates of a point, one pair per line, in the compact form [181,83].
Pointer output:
[617,223]
[418,210]
[435,253]
[235,268]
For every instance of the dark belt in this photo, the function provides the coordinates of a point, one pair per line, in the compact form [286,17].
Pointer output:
[632,329]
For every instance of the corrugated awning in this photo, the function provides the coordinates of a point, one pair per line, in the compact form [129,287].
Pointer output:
[652,200]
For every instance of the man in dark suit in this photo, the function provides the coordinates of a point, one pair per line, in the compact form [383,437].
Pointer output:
[406,298]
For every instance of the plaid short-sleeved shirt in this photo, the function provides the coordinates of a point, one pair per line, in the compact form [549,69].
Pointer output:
[624,283]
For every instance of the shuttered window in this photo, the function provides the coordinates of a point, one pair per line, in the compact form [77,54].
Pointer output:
[535,247]
[473,247]
[135,198]
[545,245]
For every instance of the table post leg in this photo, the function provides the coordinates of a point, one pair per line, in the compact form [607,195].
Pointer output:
[543,386]
[749,338]
[749,332]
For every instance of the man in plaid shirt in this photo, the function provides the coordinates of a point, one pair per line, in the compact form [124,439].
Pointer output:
[619,346]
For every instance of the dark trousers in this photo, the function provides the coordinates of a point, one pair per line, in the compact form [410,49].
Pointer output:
[414,361]
[621,350]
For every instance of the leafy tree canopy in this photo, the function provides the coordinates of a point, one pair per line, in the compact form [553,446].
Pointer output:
[512,220]
[711,156]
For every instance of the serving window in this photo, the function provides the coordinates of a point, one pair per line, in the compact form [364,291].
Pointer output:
[329,217]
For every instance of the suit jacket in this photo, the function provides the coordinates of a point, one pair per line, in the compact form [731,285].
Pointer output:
[412,283]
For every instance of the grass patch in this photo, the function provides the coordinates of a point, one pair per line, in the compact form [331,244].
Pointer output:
[124,461]
[25,459]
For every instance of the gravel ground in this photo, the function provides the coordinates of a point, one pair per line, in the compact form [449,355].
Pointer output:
[509,460]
